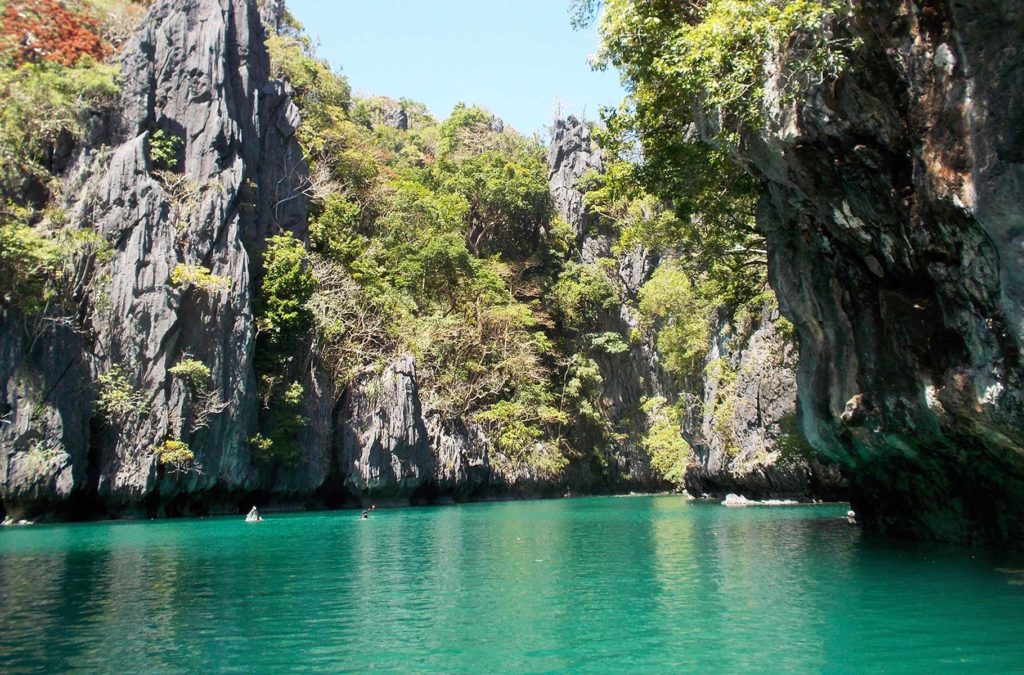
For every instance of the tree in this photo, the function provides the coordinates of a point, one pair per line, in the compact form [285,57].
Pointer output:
[696,73]
[47,30]
[287,286]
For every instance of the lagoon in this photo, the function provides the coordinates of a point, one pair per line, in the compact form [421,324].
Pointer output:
[610,584]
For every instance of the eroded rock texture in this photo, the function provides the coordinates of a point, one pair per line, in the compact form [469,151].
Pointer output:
[894,212]
[383,449]
[198,72]
[743,434]
[628,377]
[743,428]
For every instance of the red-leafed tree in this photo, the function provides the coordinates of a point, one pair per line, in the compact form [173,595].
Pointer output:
[49,30]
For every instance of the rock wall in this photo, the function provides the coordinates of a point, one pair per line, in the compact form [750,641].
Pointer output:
[383,451]
[743,427]
[894,209]
[630,377]
[197,71]
[744,440]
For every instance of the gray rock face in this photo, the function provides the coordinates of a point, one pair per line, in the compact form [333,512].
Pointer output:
[628,377]
[895,218]
[383,451]
[570,156]
[272,15]
[43,416]
[746,438]
[462,465]
[199,72]
[467,468]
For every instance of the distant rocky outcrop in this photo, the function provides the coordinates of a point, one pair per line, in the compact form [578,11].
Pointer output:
[632,376]
[744,440]
[744,432]
[894,211]
[570,156]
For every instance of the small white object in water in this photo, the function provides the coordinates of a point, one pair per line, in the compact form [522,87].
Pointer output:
[740,500]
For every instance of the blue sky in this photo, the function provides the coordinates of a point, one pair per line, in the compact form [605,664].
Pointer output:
[514,57]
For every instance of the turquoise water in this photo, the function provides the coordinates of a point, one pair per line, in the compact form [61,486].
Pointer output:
[596,585]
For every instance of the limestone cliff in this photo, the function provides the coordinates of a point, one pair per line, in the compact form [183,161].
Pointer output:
[197,72]
[894,214]
[740,424]
[631,376]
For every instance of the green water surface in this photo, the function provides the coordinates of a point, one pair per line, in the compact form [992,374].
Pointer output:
[639,584]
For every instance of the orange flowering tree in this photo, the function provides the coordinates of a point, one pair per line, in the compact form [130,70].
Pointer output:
[49,30]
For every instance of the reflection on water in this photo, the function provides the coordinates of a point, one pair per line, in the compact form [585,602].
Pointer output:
[610,584]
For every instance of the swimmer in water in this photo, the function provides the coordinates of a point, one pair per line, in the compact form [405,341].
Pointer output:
[851,518]
[366,514]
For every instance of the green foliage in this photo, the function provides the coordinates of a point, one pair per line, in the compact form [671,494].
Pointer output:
[288,284]
[262,444]
[200,277]
[292,396]
[283,443]
[438,240]
[175,455]
[163,150]
[669,452]
[284,316]
[284,424]
[723,408]
[40,270]
[315,87]
[713,56]
[682,315]
[580,293]
[581,392]
[466,126]
[333,231]
[117,398]
[42,101]
[28,263]
[195,372]
[609,343]
[786,329]
[705,63]
[501,175]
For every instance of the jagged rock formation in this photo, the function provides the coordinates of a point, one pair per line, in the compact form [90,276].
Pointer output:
[632,376]
[272,15]
[894,216]
[743,429]
[746,444]
[383,451]
[570,157]
[198,71]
